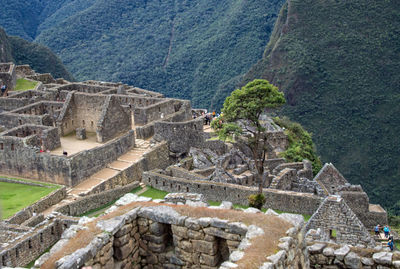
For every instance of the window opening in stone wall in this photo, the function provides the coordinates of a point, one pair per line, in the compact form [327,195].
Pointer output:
[187,189]
[1,146]
[179,187]
[169,241]
[156,181]
[72,122]
[52,230]
[4,260]
[12,146]
[83,122]
[91,123]
[332,234]
[20,122]
[17,252]
[41,238]
[163,183]
[223,250]
[30,244]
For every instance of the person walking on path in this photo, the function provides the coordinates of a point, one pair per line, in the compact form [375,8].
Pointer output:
[376,229]
[3,89]
[391,245]
[386,231]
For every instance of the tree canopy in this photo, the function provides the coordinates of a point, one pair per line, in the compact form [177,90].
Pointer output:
[241,115]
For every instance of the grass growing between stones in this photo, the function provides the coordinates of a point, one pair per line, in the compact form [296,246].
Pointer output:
[100,210]
[154,193]
[24,85]
[14,196]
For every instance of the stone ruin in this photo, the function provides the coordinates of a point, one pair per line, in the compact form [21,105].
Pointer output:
[116,136]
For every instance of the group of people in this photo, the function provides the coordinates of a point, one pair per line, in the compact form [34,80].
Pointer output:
[208,117]
[387,234]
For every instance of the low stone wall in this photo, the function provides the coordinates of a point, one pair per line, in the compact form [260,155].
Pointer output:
[38,207]
[288,201]
[323,255]
[88,162]
[32,244]
[156,158]
[91,202]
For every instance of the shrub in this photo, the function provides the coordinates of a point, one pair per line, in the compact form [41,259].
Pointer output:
[256,200]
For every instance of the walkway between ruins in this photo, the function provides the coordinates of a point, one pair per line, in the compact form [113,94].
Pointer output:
[123,162]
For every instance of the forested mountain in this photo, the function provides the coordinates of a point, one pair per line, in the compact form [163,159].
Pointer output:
[338,63]
[40,58]
[182,48]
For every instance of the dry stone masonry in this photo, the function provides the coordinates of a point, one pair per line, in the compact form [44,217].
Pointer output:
[101,139]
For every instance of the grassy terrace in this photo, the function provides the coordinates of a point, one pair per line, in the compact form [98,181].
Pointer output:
[24,84]
[14,196]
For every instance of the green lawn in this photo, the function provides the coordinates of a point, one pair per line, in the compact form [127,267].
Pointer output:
[14,196]
[154,193]
[23,85]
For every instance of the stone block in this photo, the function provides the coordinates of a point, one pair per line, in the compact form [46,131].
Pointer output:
[157,228]
[120,253]
[120,241]
[179,230]
[210,260]
[80,133]
[204,247]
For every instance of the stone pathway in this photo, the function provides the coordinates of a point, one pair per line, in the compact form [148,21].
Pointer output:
[123,162]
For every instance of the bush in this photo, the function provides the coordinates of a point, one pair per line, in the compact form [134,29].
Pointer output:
[256,200]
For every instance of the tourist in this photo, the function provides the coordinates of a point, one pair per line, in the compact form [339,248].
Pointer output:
[213,114]
[65,153]
[386,231]
[391,245]
[3,89]
[376,229]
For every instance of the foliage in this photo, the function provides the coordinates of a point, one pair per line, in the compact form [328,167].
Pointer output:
[341,82]
[246,105]
[185,49]
[256,200]
[23,85]
[301,145]
[14,196]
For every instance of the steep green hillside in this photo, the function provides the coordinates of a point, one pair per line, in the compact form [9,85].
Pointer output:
[40,58]
[181,48]
[338,63]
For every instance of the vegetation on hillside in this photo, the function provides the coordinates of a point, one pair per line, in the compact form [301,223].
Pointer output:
[40,58]
[185,49]
[301,145]
[338,63]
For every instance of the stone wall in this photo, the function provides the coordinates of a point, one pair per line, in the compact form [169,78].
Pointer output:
[91,202]
[180,135]
[88,162]
[335,256]
[24,71]
[302,203]
[59,169]
[113,120]
[158,111]
[23,250]
[45,78]
[8,75]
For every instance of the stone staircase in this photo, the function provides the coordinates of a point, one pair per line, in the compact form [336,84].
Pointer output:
[112,169]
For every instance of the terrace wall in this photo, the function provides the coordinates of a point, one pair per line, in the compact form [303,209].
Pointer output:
[288,201]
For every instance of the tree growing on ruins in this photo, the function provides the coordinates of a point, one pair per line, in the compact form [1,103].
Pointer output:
[240,119]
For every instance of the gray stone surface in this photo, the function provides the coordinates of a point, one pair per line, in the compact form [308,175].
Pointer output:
[341,252]
[352,260]
[383,258]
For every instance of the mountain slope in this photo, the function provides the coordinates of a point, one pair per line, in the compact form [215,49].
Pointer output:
[338,63]
[181,48]
[40,58]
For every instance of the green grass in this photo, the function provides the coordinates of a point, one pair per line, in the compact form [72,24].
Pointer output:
[154,193]
[23,85]
[14,196]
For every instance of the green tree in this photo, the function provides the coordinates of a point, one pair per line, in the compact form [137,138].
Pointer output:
[241,116]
